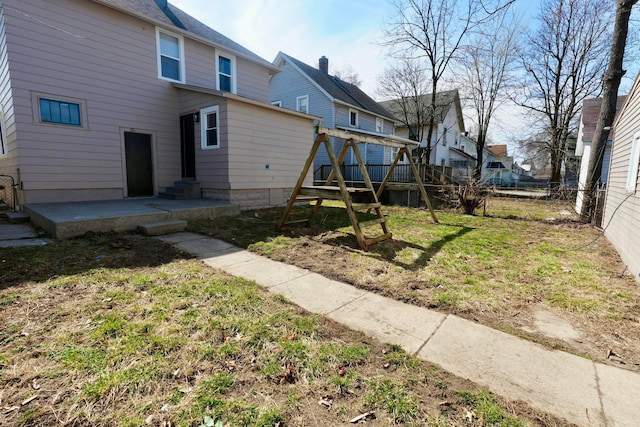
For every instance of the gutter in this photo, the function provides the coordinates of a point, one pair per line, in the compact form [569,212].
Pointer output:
[245,100]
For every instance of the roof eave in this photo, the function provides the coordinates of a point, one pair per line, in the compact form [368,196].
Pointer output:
[245,100]
[189,34]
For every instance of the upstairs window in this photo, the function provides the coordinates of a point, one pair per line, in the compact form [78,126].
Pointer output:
[60,112]
[226,81]
[302,104]
[353,118]
[276,103]
[170,48]
[379,125]
[210,128]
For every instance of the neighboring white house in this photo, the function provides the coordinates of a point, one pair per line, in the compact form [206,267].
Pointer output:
[621,217]
[588,121]
[449,126]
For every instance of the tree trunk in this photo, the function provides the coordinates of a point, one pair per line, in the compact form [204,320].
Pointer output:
[477,173]
[610,85]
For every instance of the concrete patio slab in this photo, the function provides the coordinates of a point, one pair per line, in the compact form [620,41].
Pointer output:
[557,382]
[620,393]
[266,272]
[389,320]
[65,220]
[318,294]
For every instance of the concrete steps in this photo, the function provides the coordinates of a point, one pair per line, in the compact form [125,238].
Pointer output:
[164,227]
[182,190]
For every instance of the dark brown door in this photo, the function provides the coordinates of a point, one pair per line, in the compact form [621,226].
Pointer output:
[137,148]
[187,146]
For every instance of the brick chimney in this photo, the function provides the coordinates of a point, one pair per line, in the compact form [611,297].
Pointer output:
[323,64]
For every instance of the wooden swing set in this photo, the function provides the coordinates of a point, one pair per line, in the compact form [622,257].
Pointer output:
[356,199]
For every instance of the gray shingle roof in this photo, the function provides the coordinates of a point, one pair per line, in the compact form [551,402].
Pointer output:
[444,100]
[150,9]
[341,90]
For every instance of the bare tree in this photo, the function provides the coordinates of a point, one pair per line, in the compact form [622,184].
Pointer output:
[405,85]
[434,31]
[347,74]
[610,86]
[564,63]
[488,67]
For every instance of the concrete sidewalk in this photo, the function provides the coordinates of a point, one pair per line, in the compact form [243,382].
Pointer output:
[562,384]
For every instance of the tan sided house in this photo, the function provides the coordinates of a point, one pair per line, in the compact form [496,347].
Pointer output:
[112,99]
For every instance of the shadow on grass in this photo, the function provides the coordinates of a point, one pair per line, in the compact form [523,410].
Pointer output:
[83,254]
[390,249]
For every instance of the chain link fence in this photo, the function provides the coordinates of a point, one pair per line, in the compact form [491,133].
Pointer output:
[540,204]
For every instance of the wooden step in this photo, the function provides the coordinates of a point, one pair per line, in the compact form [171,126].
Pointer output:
[374,240]
[331,192]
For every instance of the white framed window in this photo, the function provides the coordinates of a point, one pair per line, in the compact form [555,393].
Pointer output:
[634,163]
[379,125]
[170,48]
[302,104]
[353,117]
[57,110]
[210,128]
[277,103]
[226,73]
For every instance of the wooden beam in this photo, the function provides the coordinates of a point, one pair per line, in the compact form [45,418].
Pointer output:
[369,138]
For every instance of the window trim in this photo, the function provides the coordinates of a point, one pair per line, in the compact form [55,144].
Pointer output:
[352,110]
[232,60]
[277,103]
[37,117]
[381,122]
[3,136]
[634,164]
[300,98]
[180,60]
[203,127]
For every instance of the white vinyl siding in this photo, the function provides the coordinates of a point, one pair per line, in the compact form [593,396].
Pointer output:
[302,104]
[170,48]
[226,73]
[634,161]
[210,128]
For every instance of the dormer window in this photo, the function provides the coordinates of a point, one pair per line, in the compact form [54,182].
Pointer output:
[170,49]
[226,81]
